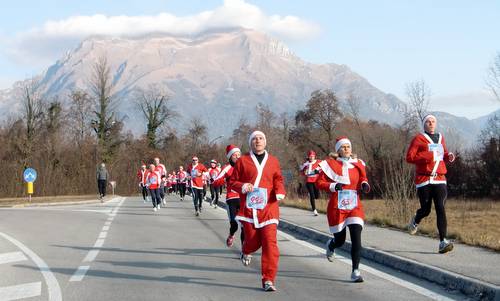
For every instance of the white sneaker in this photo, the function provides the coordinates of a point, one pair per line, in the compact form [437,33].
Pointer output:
[154,209]
[445,246]
[246,259]
[356,276]
[197,213]
[269,286]
[164,202]
[412,227]
[330,254]
[315,212]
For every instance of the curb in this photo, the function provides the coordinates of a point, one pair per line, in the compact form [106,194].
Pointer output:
[469,286]
[55,204]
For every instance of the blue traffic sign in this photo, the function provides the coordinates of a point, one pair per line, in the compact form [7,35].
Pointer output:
[29,175]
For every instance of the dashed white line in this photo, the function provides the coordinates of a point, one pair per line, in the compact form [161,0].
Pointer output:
[80,273]
[103,234]
[12,257]
[21,291]
[51,281]
[105,228]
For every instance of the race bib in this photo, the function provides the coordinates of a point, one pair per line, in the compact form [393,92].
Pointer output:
[347,199]
[152,180]
[194,173]
[257,199]
[438,151]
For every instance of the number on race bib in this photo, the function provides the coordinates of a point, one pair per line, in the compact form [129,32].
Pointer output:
[347,199]
[257,199]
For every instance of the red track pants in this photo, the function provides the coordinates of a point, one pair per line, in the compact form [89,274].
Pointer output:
[266,238]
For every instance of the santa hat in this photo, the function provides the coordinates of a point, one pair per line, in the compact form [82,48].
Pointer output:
[231,149]
[213,161]
[311,153]
[341,141]
[426,117]
[255,133]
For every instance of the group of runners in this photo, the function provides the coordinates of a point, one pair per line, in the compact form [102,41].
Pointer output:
[254,186]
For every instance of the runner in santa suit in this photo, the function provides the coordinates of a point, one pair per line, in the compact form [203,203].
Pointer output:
[257,178]
[213,172]
[310,169]
[429,154]
[162,171]
[153,183]
[181,182]
[141,177]
[196,171]
[345,177]
[233,153]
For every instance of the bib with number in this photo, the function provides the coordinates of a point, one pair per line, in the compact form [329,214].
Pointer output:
[438,149]
[347,199]
[257,199]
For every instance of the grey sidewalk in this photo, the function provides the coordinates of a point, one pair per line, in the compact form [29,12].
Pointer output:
[466,264]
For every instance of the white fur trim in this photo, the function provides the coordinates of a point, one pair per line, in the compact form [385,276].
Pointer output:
[427,117]
[231,152]
[332,186]
[257,225]
[252,135]
[344,179]
[280,197]
[342,142]
[348,221]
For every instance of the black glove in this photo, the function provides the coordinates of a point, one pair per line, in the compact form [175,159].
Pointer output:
[338,187]
[316,172]
[365,187]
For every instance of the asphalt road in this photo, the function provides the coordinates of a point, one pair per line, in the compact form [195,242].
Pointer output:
[122,250]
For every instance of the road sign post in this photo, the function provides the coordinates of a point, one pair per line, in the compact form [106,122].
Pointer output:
[29,176]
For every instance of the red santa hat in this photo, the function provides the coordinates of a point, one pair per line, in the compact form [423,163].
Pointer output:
[341,141]
[311,153]
[231,149]
[426,117]
[255,133]
[213,161]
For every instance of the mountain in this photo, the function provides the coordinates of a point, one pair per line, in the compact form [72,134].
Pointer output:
[219,76]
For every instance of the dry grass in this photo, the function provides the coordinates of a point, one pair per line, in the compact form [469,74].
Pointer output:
[5,202]
[473,222]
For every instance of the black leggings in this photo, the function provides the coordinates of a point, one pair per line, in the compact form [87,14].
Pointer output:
[214,194]
[313,194]
[182,190]
[197,198]
[155,196]
[101,185]
[426,194]
[233,206]
[144,192]
[355,231]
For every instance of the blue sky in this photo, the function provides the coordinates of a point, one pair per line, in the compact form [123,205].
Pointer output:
[449,44]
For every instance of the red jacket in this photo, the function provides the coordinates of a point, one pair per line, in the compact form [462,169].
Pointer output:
[182,175]
[141,176]
[265,175]
[308,169]
[223,178]
[430,167]
[162,171]
[196,173]
[213,172]
[153,180]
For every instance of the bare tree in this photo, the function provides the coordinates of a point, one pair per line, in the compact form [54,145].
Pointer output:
[197,134]
[418,96]
[493,76]
[32,115]
[79,115]
[154,105]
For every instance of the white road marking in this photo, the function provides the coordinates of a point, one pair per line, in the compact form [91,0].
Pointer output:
[418,289]
[105,227]
[51,281]
[80,273]
[21,291]
[103,234]
[12,257]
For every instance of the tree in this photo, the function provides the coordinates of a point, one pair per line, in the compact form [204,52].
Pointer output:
[153,103]
[418,96]
[196,135]
[493,76]
[321,114]
[79,115]
[106,126]
[32,116]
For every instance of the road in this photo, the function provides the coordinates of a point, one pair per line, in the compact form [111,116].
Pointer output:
[122,250]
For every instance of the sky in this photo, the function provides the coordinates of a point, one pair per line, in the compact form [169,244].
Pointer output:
[448,44]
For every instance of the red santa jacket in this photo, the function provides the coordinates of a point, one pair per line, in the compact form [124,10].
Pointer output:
[196,173]
[308,170]
[141,176]
[213,172]
[351,173]
[223,178]
[153,180]
[430,165]
[160,168]
[181,176]
[266,175]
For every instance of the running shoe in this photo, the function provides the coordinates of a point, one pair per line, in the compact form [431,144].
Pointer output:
[356,276]
[269,286]
[445,246]
[246,259]
[412,227]
[154,209]
[230,241]
[315,212]
[197,213]
[164,202]
[330,254]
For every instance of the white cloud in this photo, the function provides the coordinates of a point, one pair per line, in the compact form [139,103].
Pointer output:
[471,105]
[45,43]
